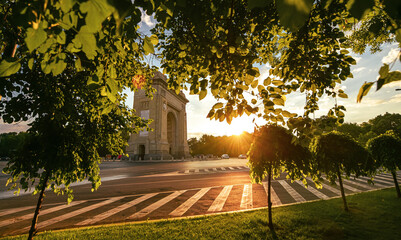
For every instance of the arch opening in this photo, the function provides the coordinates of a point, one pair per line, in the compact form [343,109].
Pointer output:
[171,132]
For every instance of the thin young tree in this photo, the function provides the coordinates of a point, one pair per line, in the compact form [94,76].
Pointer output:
[386,150]
[273,152]
[337,154]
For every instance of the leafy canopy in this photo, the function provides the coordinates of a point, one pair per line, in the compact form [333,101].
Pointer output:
[386,149]
[273,149]
[336,152]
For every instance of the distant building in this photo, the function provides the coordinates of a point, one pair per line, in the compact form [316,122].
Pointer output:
[169,136]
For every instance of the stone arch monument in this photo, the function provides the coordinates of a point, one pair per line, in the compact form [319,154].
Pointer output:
[169,136]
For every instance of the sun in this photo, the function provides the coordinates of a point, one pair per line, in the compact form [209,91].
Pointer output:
[237,126]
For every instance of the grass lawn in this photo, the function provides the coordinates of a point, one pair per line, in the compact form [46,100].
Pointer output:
[373,215]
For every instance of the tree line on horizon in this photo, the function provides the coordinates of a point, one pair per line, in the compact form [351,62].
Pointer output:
[236,145]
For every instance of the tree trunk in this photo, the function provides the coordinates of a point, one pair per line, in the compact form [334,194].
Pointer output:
[269,200]
[397,187]
[33,230]
[342,189]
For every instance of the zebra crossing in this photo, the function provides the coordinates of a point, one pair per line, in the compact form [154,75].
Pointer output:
[211,170]
[179,203]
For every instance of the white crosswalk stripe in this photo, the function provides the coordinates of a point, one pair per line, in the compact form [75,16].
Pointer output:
[389,176]
[231,168]
[206,170]
[219,202]
[274,198]
[375,183]
[316,192]
[294,194]
[196,170]
[348,187]
[116,210]
[214,169]
[385,179]
[366,186]
[183,208]
[43,212]
[75,213]
[156,205]
[247,201]
[222,168]
[186,171]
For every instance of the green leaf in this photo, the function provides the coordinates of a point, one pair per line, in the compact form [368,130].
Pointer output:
[384,71]
[278,101]
[277,82]
[202,94]
[364,90]
[61,37]
[34,38]
[58,67]
[267,81]
[86,41]
[8,68]
[30,63]
[96,12]
[182,46]
[343,95]
[254,84]
[182,54]
[390,77]
[148,46]
[253,101]
[293,14]
[213,49]
[66,5]
[231,50]
[219,54]
[218,105]
[248,79]
[154,40]
[359,8]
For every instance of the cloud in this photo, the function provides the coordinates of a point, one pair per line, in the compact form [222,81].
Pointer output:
[148,20]
[360,69]
[391,56]
[395,99]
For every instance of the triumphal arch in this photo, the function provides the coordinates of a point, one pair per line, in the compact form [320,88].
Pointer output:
[169,136]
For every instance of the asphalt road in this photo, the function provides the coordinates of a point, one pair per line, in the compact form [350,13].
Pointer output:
[141,191]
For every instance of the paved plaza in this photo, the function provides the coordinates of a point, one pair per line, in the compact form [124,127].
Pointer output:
[181,203]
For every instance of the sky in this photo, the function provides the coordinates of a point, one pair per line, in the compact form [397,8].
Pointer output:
[366,69]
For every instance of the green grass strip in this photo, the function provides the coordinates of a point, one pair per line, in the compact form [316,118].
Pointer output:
[373,215]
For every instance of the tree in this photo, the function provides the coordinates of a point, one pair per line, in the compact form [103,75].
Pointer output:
[64,65]
[337,154]
[386,149]
[11,142]
[386,122]
[272,152]
[353,129]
